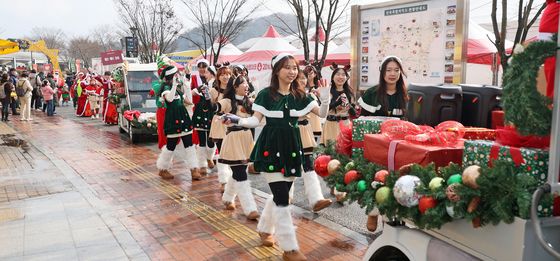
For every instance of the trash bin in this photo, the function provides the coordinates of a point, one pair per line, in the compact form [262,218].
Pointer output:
[478,103]
[432,104]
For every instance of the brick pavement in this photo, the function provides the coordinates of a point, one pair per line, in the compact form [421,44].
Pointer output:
[176,220]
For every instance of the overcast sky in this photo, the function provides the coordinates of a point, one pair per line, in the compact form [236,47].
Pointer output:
[78,17]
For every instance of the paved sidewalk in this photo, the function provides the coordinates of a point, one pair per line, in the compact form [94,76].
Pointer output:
[114,206]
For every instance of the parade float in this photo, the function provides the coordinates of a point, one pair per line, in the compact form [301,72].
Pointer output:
[134,98]
[446,191]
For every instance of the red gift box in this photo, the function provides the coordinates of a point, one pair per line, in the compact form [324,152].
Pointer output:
[394,154]
[498,119]
[473,133]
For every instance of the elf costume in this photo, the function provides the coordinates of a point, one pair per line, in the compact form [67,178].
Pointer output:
[202,120]
[177,124]
[235,153]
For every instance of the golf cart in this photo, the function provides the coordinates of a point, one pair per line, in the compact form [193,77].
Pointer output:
[137,110]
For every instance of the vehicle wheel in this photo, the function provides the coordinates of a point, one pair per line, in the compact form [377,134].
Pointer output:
[389,253]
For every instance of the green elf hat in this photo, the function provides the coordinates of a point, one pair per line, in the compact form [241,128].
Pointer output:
[164,66]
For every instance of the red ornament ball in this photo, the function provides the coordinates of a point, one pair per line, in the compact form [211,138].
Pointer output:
[381,176]
[321,164]
[265,153]
[351,176]
[425,203]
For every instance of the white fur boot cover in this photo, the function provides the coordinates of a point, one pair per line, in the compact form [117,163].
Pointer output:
[266,221]
[210,152]
[312,187]
[229,191]
[201,157]
[165,159]
[285,230]
[224,172]
[191,158]
[245,194]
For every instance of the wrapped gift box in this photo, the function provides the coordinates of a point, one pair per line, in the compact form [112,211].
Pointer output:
[528,160]
[362,126]
[381,150]
[473,133]
[497,119]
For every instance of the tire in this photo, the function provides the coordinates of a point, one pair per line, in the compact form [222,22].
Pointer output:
[389,253]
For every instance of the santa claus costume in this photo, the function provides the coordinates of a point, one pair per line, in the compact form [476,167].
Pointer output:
[177,124]
[93,91]
[83,107]
[109,112]
[547,27]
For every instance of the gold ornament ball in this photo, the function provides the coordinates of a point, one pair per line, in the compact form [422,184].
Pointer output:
[470,174]
[333,166]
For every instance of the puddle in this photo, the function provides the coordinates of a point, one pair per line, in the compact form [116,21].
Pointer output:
[12,141]
[341,244]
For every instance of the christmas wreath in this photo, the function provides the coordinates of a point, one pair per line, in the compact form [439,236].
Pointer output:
[528,110]
[146,120]
[427,197]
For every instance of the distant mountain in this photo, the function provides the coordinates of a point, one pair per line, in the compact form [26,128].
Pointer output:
[255,28]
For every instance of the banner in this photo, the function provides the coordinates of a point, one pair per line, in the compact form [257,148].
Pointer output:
[111,57]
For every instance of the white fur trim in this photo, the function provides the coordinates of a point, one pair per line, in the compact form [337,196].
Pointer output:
[312,187]
[267,113]
[285,230]
[245,194]
[279,57]
[171,71]
[201,157]
[224,172]
[202,61]
[191,158]
[305,111]
[210,152]
[368,107]
[165,159]
[266,221]
[545,36]
[229,191]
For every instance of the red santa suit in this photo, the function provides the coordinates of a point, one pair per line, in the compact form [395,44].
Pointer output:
[83,107]
[547,27]
[110,115]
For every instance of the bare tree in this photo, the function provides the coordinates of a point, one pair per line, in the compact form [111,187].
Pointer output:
[54,38]
[218,20]
[84,48]
[106,36]
[154,22]
[328,15]
[524,22]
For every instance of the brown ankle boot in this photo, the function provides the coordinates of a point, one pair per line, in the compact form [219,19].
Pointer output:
[195,174]
[203,171]
[164,174]
[210,164]
[253,215]
[229,205]
[293,255]
[266,239]
[321,204]
[372,223]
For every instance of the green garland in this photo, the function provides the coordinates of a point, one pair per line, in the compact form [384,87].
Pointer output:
[528,110]
[118,74]
[503,193]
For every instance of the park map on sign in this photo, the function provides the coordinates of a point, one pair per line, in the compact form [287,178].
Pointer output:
[409,36]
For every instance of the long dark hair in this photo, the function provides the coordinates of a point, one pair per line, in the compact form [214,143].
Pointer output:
[310,68]
[275,82]
[347,89]
[401,87]
[232,86]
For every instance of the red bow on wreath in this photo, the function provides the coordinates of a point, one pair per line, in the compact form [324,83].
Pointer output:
[447,133]
[131,114]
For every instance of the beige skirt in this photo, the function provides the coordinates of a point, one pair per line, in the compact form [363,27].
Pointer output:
[236,148]
[217,129]
[331,131]
[315,123]
[307,138]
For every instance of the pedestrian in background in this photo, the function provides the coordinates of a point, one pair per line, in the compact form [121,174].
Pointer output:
[25,100]
[48,95]
[7,88]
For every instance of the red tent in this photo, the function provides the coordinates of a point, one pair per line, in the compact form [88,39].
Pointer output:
[480,48]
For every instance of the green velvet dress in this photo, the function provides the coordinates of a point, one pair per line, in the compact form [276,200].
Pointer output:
[278,147]
[177,122]
[372,107]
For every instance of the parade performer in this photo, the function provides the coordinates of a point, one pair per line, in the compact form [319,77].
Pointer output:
[218,129]
[83,106]
[202,120]
[310,178]
[342,103]
[110,115]
[388,98]
[237,147]
[547,27]
[92,91]
[311,88]
[177,123]
[198,79]
[278,150]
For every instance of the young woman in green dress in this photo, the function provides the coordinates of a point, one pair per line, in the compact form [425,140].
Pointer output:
[177,125]
[388,98]
[278,152]
[202,120]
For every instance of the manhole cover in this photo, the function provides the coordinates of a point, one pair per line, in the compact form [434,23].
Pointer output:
[10,214]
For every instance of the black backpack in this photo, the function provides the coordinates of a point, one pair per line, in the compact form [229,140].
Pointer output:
[20,91]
